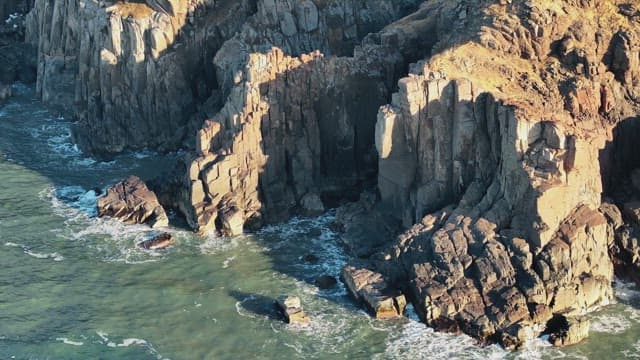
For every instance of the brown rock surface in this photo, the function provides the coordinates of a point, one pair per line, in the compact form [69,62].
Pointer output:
[371,289]
[291,308]
[157,242]
[133,203]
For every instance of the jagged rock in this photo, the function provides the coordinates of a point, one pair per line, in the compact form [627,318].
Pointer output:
[158,242]
[372,290]
[291,308]
[131,76]
[492,153]
[232,221]
[133,203]
[311,114]
[568,330]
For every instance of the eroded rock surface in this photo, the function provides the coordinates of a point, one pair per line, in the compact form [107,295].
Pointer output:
[490,129]
[505,192]
[133,203]
[371,289]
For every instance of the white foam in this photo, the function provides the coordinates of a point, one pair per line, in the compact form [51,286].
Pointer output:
[626,291]
[25,249]
[132,341]
[611,324]
[70,342]
[634,352]
[227,261]
[55,256]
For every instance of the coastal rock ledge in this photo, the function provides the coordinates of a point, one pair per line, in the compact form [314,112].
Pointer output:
[494,141]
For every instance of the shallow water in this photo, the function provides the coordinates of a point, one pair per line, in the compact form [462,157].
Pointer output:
[76,287]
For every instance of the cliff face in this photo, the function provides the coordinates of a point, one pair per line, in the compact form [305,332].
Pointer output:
[293,128]
[498,165]
[486,127]
[132,77]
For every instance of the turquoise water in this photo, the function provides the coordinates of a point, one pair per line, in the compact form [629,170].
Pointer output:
[76,287]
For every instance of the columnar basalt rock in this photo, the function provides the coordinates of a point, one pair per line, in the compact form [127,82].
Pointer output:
[511,189]
[293,127]
[132,76]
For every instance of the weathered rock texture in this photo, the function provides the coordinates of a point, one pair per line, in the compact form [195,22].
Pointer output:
[133,203]
[132,76]
[492,148]
[370,288]
[294,128]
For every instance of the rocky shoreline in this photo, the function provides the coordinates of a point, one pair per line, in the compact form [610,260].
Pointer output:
[481,154]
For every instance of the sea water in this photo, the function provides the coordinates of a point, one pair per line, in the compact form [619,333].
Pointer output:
[73,286]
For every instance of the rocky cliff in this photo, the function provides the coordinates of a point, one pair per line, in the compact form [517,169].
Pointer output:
[493,148]
[131,76]
[490,130]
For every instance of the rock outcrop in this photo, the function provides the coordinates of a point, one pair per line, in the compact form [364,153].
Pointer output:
[133,203]
[504,189]
[370,288]
[158,242]
[291,308]
[294,128]
[133,77]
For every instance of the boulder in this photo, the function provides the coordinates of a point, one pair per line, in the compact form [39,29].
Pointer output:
[291,308]
[372,290]
[568,330]
[133,203]
[158,242]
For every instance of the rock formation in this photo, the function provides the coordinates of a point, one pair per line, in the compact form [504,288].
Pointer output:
[492,149]
[488,130]
[291,308]
[133,76]
[370,288]
[158,242]
[133,203]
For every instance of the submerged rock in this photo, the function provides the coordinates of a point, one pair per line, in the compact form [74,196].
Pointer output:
[158,242]
[291,308]
[372,290]
[326,282]
[133,203]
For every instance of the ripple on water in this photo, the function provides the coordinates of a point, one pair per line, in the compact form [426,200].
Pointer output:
[25,249]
